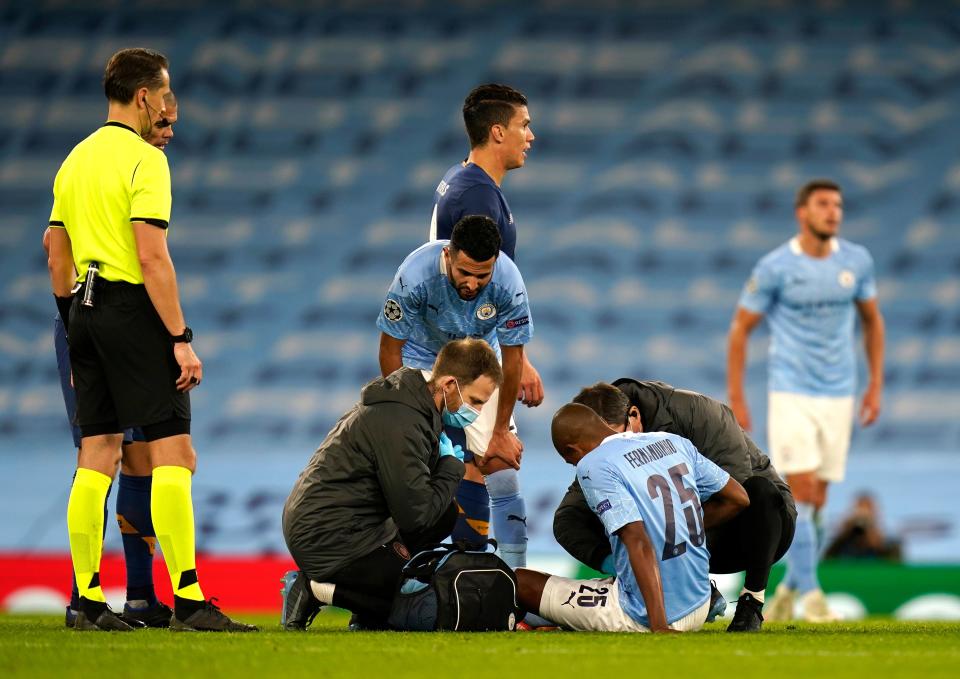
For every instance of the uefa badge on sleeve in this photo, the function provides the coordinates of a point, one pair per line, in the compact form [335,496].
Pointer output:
[392,310]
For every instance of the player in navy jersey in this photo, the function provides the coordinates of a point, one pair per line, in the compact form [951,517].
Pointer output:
[810,289]
[463,287]
[498,126]
[656,496]
[497,122]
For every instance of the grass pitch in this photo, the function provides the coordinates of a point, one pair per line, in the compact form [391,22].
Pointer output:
[40,646]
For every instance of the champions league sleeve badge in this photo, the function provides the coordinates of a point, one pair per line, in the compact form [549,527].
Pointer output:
[392,310]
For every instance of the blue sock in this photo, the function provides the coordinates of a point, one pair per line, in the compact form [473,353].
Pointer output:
[535,620]
[139,538]
[509,514]
[802,556]
[74,592]
[473,521]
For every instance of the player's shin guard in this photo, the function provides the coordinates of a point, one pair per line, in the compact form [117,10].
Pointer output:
[85,519]
[509,515]
[139,539]
[802,556]
[473,519]
[172,508]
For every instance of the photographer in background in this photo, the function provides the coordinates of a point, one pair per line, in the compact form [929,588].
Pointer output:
[861,534]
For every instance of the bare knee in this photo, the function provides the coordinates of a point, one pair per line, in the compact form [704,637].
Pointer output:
[821,498]
[136,459]
[472,473]
[807,488]
[101,453]
[173,451]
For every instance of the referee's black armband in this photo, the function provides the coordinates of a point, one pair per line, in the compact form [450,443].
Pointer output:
[63,306]
[159,223]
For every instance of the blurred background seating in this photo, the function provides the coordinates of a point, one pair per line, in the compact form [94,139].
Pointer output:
[669,145]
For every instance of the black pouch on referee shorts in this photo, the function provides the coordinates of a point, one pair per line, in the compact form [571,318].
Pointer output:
[456,587]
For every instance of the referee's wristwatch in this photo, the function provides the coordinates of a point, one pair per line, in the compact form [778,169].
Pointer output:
[185,336]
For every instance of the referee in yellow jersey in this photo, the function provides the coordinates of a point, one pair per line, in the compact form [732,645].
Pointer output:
[133,364]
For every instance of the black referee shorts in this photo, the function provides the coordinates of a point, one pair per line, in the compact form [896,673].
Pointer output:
[124,371]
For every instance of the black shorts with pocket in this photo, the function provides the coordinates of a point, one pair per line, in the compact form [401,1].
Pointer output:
[124,370]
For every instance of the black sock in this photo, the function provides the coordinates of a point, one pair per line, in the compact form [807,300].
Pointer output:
[92,609]
[184,608]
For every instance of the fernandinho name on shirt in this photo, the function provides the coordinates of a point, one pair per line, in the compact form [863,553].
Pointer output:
[649,453]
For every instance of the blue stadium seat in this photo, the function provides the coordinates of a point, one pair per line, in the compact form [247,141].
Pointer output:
[669,145]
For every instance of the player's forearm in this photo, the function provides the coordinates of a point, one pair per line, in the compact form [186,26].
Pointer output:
[736,360]
[873,341]
[160,280]
[719,510]
[644,564]
[417,504]
[60,262]
[391,354]
[62,275]
[723,506]
[512,372]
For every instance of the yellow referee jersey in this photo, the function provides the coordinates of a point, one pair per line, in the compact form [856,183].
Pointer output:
[110,179]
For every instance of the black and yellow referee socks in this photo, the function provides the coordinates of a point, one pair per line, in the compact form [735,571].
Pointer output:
[171,505]
[85,525]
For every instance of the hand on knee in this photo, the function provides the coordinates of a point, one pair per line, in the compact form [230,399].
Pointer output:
[493,465]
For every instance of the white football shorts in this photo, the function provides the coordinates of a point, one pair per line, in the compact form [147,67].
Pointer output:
[810,433]
[594,606]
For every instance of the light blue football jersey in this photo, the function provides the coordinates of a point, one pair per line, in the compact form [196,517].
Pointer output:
[659,479]
[809,304]
[423,307]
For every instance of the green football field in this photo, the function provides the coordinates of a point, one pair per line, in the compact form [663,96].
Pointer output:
[41,646]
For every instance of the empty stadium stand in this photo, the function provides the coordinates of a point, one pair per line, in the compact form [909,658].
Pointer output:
[670,141]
